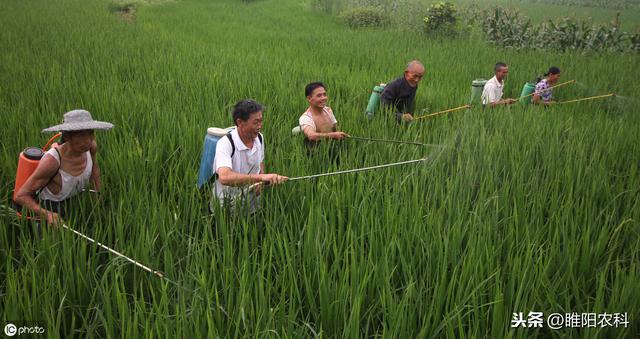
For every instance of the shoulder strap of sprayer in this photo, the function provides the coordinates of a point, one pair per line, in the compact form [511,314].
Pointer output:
[233,145]
[54,174]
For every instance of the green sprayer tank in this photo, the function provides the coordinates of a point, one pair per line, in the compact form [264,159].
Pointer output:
[476,90]
[527,89]
[374,100]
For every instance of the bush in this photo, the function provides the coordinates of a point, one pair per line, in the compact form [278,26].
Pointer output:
[364,17]
[441,19]
[123,7]
[508,28]
[511,29]
[614,4]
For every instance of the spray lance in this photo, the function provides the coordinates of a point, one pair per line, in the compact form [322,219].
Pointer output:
[587,98]
[442,112]
[374,100]
[469,106]
[298,130]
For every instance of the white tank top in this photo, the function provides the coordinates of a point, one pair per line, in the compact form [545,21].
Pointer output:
[71,185]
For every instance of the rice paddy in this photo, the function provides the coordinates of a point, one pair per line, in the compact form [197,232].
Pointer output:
[521,209]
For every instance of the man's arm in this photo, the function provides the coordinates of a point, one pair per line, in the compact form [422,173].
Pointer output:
[47,168]
[493,100]
[507,101]
[228,177]
[389,95]
[538,100]
[389,101]
[405,108]
[411,103]
[312,135]
[489,97]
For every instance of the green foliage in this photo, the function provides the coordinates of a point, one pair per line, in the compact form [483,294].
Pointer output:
[359,17]
[441,19]
[615,4]
[509,28]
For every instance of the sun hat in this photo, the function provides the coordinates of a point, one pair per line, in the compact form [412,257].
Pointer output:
[77,120]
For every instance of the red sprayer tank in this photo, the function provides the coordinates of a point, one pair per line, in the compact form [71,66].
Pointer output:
[27,163]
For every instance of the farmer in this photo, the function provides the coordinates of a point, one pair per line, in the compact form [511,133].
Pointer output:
[318,121]
[542,94]
[64,170]
[240,161]
[492,92]
[400,93]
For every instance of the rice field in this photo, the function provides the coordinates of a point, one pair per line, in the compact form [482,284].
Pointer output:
[522,209]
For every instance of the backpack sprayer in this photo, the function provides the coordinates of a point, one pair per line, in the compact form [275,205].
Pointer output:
[214,134]
[477,86]
[374,100]
[28,161]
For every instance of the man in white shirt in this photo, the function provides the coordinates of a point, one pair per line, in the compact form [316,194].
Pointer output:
[492,93]
[239,159]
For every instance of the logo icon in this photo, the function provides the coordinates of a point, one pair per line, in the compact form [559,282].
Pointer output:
[10,330]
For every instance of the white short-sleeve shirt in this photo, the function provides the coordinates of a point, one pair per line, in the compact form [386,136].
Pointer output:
[492,91]
[245,161]
[306,119]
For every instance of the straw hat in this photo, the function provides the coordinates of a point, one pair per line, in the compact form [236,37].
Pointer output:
[77,120]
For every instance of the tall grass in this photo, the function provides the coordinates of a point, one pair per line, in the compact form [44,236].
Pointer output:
[524,210]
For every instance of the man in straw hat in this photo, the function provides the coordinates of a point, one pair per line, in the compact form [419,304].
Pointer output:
[400,94]
[64,170]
